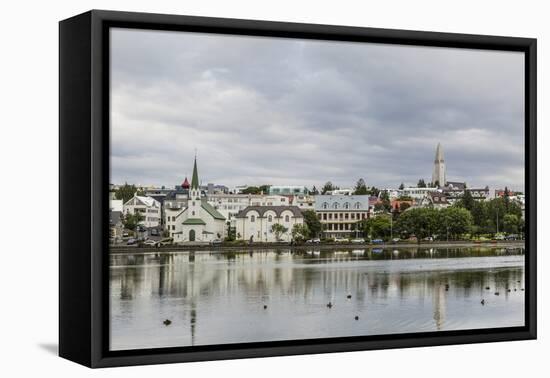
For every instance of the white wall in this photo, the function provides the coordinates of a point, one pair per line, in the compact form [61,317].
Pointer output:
[29,143]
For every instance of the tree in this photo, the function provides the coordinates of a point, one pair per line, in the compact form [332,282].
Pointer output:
[314,191]
[511,223]
[402,186]
[327,187]
[278,230]
[436,184]
[361,188]
[131,221]
[230,232]
[313,224]
[421,184]
[454,221]
[467,200]
[421,222]
[126,192]
[377,227]
[300,232]
[374,191]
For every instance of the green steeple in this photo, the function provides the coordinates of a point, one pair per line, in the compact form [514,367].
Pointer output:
[195,179]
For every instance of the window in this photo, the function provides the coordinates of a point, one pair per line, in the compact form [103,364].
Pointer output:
[335,205]
[330,216]
[252,218]
[270,218]
[346,205]
[325,205]
[192,213]
[357,205]
[287,218]
[173,228]
[346,216]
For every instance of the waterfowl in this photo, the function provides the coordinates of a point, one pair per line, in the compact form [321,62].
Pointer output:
[356,317]
[329,305]
[349,296]
[265,307]
[167,322]
[497,293]
[483,302]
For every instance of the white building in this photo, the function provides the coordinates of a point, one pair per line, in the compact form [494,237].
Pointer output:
[198,221]
[255,223]
[148,207]
[287,190]
[340,192]
[417,193]
[304,202]
[116,205]
[339,214]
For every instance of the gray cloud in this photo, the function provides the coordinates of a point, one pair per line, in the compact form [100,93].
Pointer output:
[285,111]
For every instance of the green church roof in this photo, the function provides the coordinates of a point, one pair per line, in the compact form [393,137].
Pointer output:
[210,209]
[194,221]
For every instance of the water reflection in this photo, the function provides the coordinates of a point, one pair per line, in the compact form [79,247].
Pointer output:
[214,298]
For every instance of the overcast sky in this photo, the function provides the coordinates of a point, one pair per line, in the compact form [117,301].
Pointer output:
[301,112]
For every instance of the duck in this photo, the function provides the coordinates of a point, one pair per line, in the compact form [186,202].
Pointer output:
[349,296]
[329,304]
[483,302]
[265,307]
[356,317]
[167,322]
[497,293]
[487,288]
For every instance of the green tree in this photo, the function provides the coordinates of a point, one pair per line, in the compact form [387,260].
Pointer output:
[327,187]
[131,221]
[126,192]
[511,223]
[300,232]
[374,191]
[314,191]
[421,184]
[402,186]
[454,221]
[421,222]
[313,224]
[278,230]
[361,188]
[378,227]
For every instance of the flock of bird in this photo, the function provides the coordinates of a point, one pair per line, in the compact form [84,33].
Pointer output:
[167,322]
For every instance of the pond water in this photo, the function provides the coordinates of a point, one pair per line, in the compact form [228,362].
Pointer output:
[270,295]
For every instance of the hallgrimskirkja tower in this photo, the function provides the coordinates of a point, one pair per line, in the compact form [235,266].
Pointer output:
[439,176]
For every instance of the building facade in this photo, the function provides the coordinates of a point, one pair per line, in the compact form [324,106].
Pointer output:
[148,207]
[255,223]
[339,214]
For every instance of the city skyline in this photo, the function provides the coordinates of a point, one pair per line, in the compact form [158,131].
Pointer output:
[334,112]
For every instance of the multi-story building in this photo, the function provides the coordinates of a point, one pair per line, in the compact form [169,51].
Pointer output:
[287,190]
[255,223]
[148,207]
[304,202]
[479,194]
[339,214]
[415,193]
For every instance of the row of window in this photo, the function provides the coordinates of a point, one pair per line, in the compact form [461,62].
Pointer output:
[269,218]
[339,226]
[346,205]
[342,216]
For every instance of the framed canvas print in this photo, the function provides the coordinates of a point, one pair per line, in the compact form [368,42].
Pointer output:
[234,188]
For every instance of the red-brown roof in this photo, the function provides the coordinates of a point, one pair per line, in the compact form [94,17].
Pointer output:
[185,184]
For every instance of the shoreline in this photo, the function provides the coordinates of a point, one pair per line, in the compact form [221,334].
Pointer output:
[207,248]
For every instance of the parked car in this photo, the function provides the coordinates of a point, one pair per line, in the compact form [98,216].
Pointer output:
[216,242]
[150,243]
[313,241]
[341,240]
[429,238]
[377,241]
[131,241]
[125,234]
[512,237]
[357,241]
[395,240]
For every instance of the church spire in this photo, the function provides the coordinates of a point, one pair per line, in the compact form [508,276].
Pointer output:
[439,176]
[195,178]
[439,154]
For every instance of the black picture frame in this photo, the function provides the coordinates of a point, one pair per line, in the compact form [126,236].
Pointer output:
[84,177]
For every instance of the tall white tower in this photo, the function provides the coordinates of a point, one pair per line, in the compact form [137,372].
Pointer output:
[439,175]
[194,196]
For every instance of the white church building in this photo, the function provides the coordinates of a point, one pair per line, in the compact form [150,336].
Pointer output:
[198,221]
